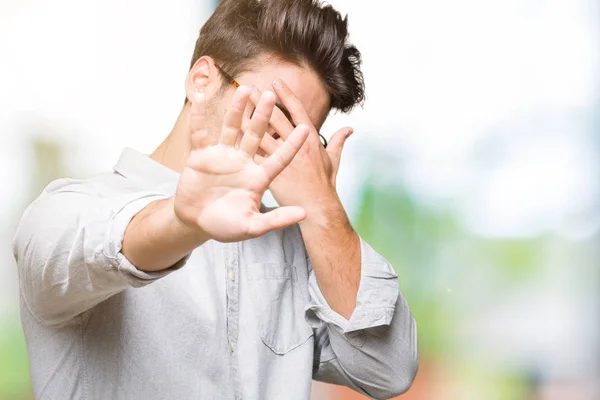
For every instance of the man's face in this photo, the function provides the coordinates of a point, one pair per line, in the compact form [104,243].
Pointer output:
[302,81]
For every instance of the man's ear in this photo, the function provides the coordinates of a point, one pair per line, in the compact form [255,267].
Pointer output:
[199,77]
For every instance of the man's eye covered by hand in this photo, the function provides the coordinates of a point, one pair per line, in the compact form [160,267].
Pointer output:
[280,113]
[316,163]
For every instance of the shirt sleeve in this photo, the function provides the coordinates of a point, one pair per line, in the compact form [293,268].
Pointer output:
[375,351]
[68,250]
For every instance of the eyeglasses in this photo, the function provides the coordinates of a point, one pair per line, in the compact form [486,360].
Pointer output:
[281,107]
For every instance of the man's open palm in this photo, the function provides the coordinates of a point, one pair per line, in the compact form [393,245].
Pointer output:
[221,187]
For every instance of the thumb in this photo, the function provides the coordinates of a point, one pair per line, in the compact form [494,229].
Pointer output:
[335,146]
[279,218]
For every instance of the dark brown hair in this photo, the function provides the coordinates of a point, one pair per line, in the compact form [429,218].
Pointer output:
[303,32]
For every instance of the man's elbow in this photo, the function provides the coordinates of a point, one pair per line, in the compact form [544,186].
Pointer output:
[404,379]
[46,311]
[400,379]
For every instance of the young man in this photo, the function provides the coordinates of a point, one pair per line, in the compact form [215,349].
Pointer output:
[167,278]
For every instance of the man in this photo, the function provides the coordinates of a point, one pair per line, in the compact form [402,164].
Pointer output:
[168,279]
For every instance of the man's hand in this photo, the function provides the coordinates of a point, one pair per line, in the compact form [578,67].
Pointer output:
[219,191]
[221,187]
[310,179]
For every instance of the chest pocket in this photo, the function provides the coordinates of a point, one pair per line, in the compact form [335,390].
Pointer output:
[279,300]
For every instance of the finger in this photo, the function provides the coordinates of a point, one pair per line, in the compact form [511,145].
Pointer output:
[245,121]
[199,134]
[232,123]
[336,145]
[258,159]
[269,144]
[286,153]
[278,218]
[258,124]
[279,121]
[255,95]
[291,103]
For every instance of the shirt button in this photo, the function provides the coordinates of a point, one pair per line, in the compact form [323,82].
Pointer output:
[232,346]
[231,275]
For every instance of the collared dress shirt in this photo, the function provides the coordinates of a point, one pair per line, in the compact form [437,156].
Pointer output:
[241,320]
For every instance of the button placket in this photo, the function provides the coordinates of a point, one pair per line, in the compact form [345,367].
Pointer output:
[232,284]
[232,295]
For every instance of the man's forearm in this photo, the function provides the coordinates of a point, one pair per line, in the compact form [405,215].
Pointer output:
[334,250]
[155,239]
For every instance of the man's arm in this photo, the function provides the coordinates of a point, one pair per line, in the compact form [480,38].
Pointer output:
[68,249]
[334,251]
[381,359]
[365,335]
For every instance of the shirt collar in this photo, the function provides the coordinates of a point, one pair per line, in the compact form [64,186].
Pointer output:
[146,172]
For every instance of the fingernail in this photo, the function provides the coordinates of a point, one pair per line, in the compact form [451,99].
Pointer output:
[253,90]
[350,132]
[278,83]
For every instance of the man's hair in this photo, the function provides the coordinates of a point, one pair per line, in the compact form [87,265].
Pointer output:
[303,32]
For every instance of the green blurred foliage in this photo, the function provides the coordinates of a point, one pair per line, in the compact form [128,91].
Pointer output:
[431,252]
[409,234]
[14,367]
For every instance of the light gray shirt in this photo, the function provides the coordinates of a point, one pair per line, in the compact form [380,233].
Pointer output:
[239,320]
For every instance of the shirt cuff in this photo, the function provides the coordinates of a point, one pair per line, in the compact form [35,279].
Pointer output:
[375,301]
[114,242]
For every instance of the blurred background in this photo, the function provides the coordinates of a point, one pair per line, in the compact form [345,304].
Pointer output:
[474,167]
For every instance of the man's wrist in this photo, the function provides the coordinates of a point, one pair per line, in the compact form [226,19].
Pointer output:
[194,234]
[325,211]
[156,239]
